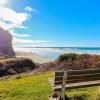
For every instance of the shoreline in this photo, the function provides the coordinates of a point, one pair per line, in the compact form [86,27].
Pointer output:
[40,59]
[33,56]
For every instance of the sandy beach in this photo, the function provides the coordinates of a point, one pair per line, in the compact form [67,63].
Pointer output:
[34,57]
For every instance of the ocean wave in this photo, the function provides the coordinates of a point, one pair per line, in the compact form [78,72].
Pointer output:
[55,52]
[58,50]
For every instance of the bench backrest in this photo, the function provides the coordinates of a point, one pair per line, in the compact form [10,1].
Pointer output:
[74,76]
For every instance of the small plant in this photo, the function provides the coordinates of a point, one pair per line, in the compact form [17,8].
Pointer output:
[67,57]
[83,56]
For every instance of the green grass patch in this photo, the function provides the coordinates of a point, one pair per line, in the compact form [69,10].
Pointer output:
[36,87]
[25,87]
[11,59]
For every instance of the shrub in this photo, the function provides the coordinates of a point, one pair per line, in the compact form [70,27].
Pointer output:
[73,62]
[67,57]
[84,56]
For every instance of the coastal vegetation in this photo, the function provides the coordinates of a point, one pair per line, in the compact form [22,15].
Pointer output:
[34,84]
[10,66]
[73,62]
[36,87]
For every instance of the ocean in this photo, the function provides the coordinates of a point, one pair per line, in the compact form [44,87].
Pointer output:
[54,52]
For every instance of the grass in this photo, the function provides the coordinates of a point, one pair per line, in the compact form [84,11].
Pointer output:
[36,87]
[25,87]
[78,61]
[11,59]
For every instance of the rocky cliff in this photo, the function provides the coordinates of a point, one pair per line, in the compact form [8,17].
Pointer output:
[6,44]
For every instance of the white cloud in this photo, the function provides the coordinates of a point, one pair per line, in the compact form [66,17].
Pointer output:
[3,2]
[19,35]
[20,41]
[29,9]
[11,19]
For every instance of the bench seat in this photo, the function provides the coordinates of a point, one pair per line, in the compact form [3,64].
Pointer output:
[73,79]
[74,85]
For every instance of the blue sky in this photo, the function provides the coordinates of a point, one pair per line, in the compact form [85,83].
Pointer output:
[72,23]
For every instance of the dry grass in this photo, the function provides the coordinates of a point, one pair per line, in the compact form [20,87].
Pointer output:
[73,62]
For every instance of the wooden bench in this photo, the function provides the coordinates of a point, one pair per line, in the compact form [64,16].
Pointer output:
[73,79]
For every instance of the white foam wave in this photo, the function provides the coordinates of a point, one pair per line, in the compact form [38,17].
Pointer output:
[57,50]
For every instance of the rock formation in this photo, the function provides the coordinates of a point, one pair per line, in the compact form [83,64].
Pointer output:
[6,43]
[16,65]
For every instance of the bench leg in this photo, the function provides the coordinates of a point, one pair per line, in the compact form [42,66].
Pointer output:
[66,98]
[63,97]
[55,96]
[63,93]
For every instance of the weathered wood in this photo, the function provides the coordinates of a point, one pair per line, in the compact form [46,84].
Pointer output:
[77,72]
[76,79]
[80,78]
[78,85]
[59,73]
[86,71]
[83,76]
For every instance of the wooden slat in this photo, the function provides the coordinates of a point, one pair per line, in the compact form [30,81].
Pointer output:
[59,73]
[83,80]
[76,81]
[77,78]
[78,85]
[78,72]
[81,72]
[59,78]
[82,77]
[58,82]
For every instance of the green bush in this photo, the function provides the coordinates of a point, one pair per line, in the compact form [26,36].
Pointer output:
[83,56]
[67,57]
[73,56]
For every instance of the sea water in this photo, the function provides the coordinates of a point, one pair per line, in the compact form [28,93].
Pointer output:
[54,52]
